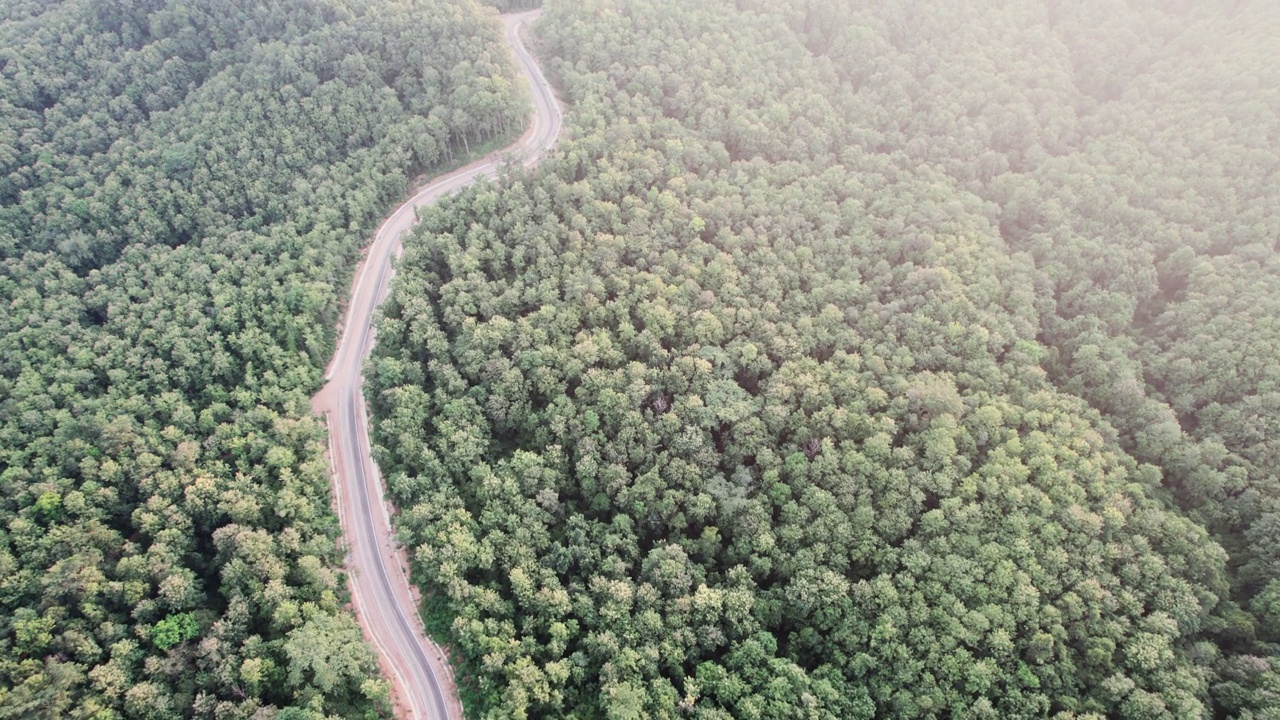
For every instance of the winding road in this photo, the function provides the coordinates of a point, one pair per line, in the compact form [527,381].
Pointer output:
[384,600]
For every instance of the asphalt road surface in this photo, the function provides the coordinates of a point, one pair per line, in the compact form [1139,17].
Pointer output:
[384,601]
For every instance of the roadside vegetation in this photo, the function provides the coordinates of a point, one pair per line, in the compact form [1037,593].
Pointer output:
[889,360]
[184,188]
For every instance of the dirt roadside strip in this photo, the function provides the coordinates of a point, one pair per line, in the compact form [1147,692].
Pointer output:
[385,602]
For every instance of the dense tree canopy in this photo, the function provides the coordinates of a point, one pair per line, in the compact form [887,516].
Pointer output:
[184,187]
[1131,151]
[514,5]
[854,360]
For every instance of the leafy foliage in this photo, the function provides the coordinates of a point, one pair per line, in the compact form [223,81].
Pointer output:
[183,191]
[514,5]
[760,398]
[174,629]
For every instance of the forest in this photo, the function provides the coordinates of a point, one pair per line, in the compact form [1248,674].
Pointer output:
[859,360]
[847,360]
[184,190]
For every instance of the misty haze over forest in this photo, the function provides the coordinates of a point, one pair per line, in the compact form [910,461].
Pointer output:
[896,359]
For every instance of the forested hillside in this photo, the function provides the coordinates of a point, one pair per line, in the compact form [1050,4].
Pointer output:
[184,187]
[859,360]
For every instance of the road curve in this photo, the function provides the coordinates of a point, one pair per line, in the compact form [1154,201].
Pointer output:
[380,590]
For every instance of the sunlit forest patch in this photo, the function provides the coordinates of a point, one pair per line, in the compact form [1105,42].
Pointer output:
[901,360]
[184,189]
